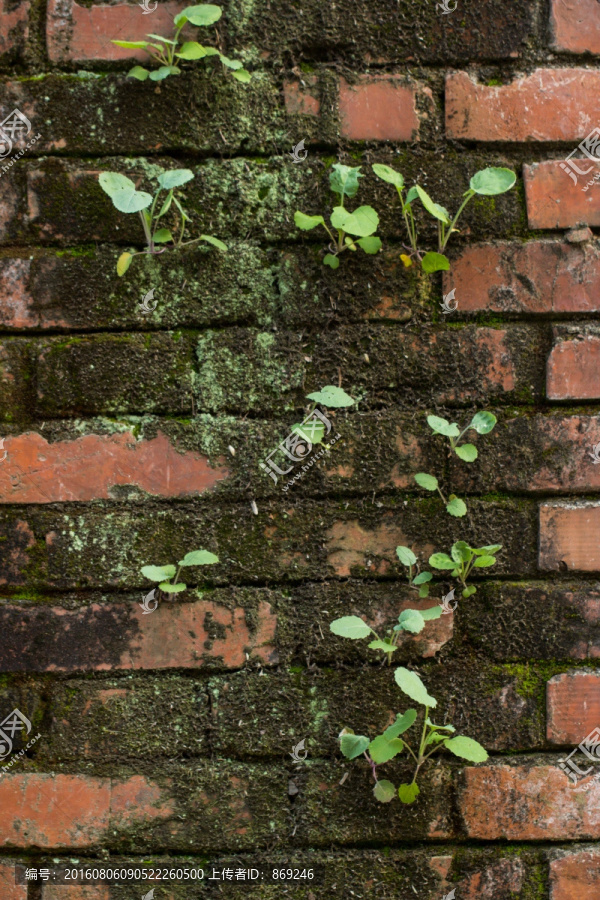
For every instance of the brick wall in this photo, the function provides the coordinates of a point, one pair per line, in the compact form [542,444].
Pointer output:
[167,737]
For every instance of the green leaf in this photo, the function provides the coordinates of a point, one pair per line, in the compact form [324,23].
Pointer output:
[461,552]
[138,72]
[313,434]
[429,482]
[332,396]
[307,223]
[214,241]
[381,645]
[424,590]
[435,738]
[492,181]
[199,558]
[350,627]
[164,72]
[362,222]
[402,724]
[435,262]
[242,75]
[491,549]
[468,452]
[158,573]
[433,613]
[439,727]
[202,15]
[130,200]
[468,591]
[412,195]
[370,244]
[442,426]
[166,205]
[456,507]
[230,63]
[411,620]
[330,260]
[411,684]
[174,178]
[353,745]
[386,173]
[483,422]
[113,182]
[384,791]
[467,748]
[408,792]
[441,561]
[482,562]
[169,588]
[338,217]
[164,40]
[162,236]
[406,556]
[193,50]
[344,179]
[434,209]
[131,45]
[381,750]
[421,577]
[123,263]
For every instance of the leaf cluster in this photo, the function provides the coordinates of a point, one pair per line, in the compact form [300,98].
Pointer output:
[329,396]
[411,620]
[168,575]
[463,559]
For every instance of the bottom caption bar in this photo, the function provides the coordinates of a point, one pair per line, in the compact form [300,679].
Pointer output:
[262,874]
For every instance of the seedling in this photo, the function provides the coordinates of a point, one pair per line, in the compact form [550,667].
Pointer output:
[412,620]
[127,199]
[388,745]
[482,422]
[329,396]
[354,229]
[463,559]
[165,52]
[168,575]
[487,183]
[419,582]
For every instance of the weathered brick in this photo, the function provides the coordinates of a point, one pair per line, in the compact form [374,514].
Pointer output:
[567,536]
[535,277]
[378,108]
[123,636]
[10,890]
[78,33]
[94,467]
[575,26]
[573,369]
[527,801]
[302,97]
[14,31]
[552,199]
[575,876]
[573,700]
[544,106]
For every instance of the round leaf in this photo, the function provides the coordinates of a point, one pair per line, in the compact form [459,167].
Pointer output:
[434,209]
[492,181]
[384,791]
[468,452]
[435,262]
[123,263]
[442,426]
[362,222]
[174,178]
[350,627]
[467,748]
[441,561]
[429,482]
[353,745]
[411,684]
[332,396]
[381,750]
[199,558]
[158,573]
[172,588]
[330,260]
[306,223]
[408,792]
[111,182]
[138,72]
[370,244]
[386,173]
[204,14]
[406,556]
[411,620]
[483,422]
[456,507]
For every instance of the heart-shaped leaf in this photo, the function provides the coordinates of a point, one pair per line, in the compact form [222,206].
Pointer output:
[330,260]
[435,262]
[138,72]
[362,222]
[353,745]
[370,245]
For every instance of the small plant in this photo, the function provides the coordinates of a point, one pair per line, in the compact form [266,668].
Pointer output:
[419,582]
[166,50]
[487,183]
[387,745]
[127,199]
[463,559]
[168,575]
[353,229]
[412,620]
[482,422]
[330,396]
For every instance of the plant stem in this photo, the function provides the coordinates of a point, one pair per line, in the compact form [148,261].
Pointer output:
[372,764]
[146,230]
[470,194]
[442,496]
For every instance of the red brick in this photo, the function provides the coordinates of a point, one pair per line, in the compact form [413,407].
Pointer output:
[378,108]
[302,97]
[79,33]
[554,201]
[569,537]
[575,25]
[121,636]
[573,368]
[575,876]
[573,706]
[548,105]
[528,803]
[535,277]
[502,879]
[14,30]
[8,889]
[92,466]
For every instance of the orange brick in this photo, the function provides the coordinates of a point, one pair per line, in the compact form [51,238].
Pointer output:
[575,876]
[378,108]
[573,368]
[8,889]
[573,706]
[569,537]
[554,201]
[575,25]
[302,98]
[14,28]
